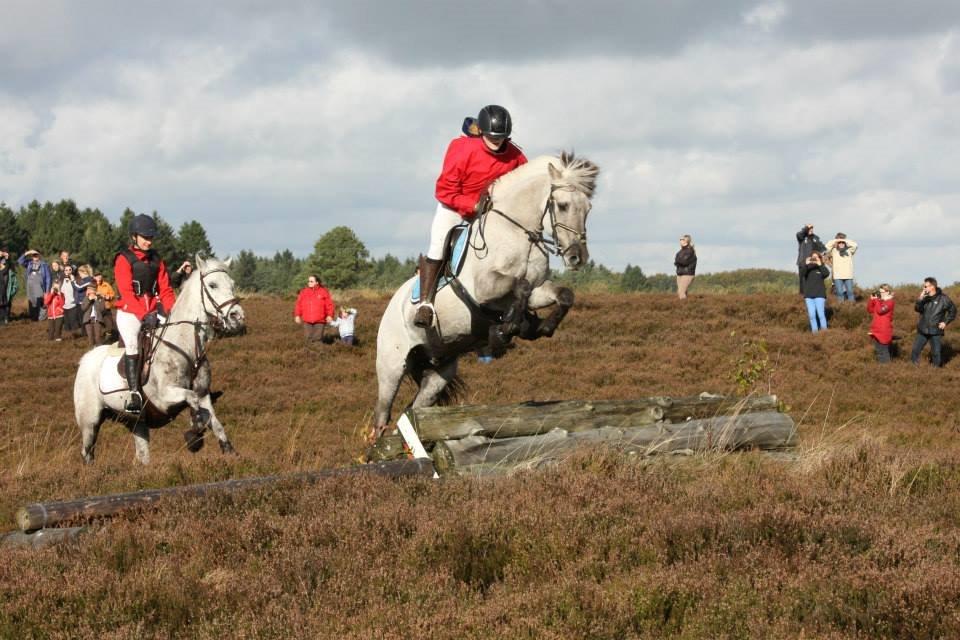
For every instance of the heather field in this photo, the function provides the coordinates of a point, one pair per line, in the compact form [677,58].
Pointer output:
[856,537]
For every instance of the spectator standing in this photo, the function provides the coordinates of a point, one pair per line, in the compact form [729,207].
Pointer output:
[56,272]
[841,251]
[178,277]
[880,307]
[53,300]
[107,294]
[815,291]
[345,324]
[65,260]
[936,312]
[72,314]
[314,309]
[686,263]
[38,281]
[92,308]
[807,243]
[8,285]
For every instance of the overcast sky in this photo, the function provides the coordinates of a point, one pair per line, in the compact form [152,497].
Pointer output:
[272,122]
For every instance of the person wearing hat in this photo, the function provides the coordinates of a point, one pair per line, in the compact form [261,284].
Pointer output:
[8,285]
[38,280]
[472,162]
[841,250]
[143,285]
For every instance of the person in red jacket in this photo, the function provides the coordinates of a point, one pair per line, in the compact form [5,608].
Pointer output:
[880,307]
[143,285]
[53,301]
[314,309]
[471,164]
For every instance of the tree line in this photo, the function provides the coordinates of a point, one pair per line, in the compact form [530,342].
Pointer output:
[339,257]
[89,235]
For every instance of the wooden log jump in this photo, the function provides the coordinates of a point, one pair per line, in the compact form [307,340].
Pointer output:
[49,514]
[434,424]
[766,430]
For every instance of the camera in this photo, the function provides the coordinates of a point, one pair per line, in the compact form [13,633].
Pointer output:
[877,294]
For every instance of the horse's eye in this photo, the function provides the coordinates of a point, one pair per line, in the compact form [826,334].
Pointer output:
[213,285]
[563,206]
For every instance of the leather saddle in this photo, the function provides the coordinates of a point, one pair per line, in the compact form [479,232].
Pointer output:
[145,340]
[454,255]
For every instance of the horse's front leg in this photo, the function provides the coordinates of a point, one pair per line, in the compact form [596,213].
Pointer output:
[513,318]
[206,417]
[546,295]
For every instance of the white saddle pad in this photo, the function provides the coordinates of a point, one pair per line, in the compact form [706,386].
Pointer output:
[110,380]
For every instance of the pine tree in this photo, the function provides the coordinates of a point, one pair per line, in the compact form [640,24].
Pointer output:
[192,240]
[339,258]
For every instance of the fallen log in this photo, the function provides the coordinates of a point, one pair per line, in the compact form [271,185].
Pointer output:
[766,430]
[48,514]
[434,424]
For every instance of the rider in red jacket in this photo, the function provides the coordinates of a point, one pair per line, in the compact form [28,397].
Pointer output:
[471,164]
[142,283]
[314,308]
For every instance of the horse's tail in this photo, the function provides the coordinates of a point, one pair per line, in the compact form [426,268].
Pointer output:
[418,363]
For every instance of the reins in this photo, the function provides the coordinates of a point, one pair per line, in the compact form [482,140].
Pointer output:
[545,245]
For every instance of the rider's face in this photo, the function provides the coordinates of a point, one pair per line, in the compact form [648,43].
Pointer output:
[493,144]
[143,243]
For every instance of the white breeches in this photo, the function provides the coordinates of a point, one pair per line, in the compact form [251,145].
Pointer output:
[129,328]
[443,220]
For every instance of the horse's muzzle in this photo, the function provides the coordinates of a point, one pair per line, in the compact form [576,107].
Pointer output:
[576,256]
[235,322]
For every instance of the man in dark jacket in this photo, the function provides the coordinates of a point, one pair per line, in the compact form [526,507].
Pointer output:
[807,243]
[936,312]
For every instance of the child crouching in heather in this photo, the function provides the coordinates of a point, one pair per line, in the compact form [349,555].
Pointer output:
[53,301]
[345,323]
[880,307]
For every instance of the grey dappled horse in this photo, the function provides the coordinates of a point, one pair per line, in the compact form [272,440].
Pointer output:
[538,209]
[179,372]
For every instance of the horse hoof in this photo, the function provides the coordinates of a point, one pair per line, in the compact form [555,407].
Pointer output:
[226,447]
[194,439]
[88,458]
[201,420]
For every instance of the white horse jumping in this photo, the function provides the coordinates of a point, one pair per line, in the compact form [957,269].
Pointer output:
[179,373]
[538,209]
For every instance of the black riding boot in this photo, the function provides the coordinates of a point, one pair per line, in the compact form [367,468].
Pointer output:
[429,272]
[131,366]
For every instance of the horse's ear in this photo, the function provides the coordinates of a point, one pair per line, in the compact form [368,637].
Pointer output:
[201,263]
[555,173]
[228,261]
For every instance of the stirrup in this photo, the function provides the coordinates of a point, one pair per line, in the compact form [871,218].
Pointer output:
[425,315]
[134,402]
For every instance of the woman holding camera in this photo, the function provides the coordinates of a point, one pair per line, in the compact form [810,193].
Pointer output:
[814,274]
[880,307]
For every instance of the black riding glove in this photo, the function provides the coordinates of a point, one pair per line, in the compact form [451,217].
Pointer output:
[483,204]
[150,321]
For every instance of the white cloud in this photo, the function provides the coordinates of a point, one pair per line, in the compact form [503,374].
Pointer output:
[766,16]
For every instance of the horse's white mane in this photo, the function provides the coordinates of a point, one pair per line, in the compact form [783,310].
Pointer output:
[577,173]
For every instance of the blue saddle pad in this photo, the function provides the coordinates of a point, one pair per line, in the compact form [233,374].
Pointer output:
[456,253]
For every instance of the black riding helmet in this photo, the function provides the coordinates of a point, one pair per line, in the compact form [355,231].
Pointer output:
[142,225]
[495,122]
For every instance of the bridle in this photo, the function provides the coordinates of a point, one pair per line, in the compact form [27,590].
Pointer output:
[214,320]
[537,238]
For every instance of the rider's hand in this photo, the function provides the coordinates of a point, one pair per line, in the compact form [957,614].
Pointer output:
[150,321]
[482,204]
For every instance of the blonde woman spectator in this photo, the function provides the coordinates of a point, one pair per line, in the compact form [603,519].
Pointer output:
[686,263]
[840,251]
[92,308]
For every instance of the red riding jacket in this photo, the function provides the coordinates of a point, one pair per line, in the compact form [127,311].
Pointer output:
[469,167]
[146,303]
